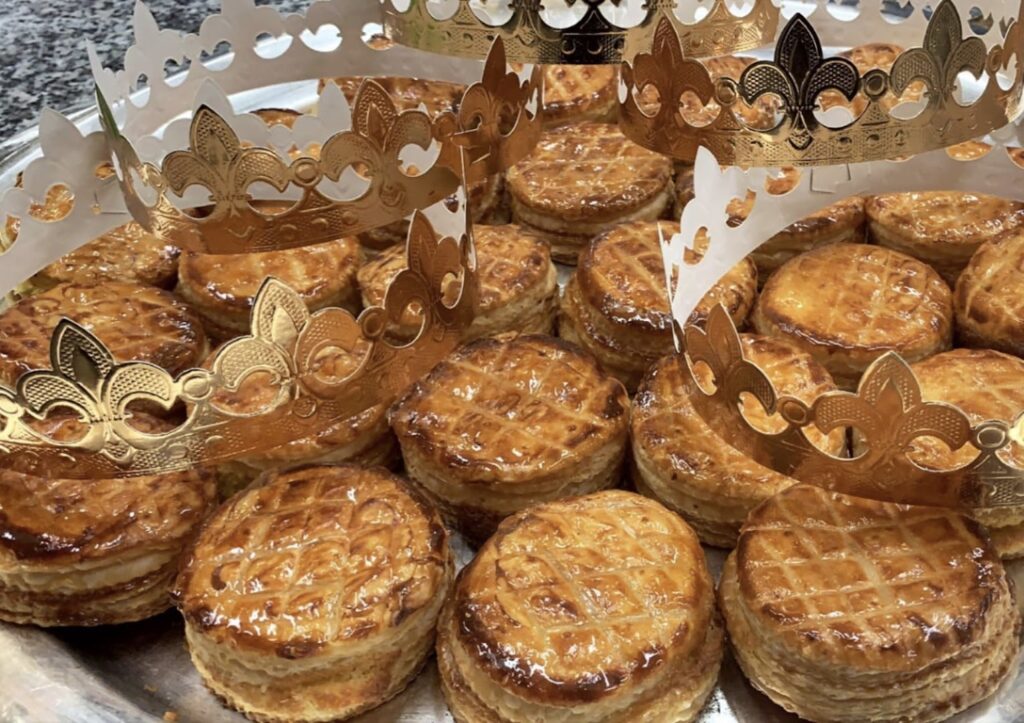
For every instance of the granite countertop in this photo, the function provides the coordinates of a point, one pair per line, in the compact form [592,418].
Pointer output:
[43,55]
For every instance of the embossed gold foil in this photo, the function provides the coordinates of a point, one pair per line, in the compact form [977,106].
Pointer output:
[887,412]
[798,75]
[494,127]
[591,40]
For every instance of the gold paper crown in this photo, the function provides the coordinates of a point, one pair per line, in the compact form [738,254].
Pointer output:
[594,39]
[887,413]
[492,129]
[798,76]
[286,341]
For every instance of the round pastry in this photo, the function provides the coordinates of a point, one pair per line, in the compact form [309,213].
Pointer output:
[616,304]
[222,287]
[314,596]
[364,438]
[95,551]
[680,461]
[583,179]
[504,423]
[596,608]
[135,322]
[986,385]
[574,93]
[848,304]
[941,228]
[518,283]
[845,609]
[128,253]
[989,298]
[840,222]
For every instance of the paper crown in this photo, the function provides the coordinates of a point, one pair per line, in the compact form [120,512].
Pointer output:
[771,113]
[286,341]
[887,413]
[355,181]
[325,366]
[580,32]
[155,120]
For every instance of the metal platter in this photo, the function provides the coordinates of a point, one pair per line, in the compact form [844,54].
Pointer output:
[142,672]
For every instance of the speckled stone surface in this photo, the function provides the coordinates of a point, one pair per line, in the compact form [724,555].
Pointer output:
[43,57]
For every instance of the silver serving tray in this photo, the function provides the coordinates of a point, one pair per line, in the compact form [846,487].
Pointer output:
[142,672]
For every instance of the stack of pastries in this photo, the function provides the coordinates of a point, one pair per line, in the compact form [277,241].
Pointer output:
[320,587]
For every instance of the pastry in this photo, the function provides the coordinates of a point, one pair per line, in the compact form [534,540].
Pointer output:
[94,551]
[135,322]
[848,304]
[681,462]
[434,96]
[574,93]
[989,298]
[941,228]
[518,283]
[364,438]
[222,287]
[314,595]
[127,253]
[847,610]
[583,179]
[504,423]
[616,304]
[839,222]
[596,608]
[986,385]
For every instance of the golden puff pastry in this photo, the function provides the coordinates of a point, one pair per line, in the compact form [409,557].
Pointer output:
[596,608]
[681,462]
[314,595]
[518,283]
[989,298]
[839,222]
[986,385]
[507,422]
[844,609]
[364,438]
[616,304]
[581,180]
[574,93]
[95,551]
[941,228]
[222,287]
[135,322]
[848,304]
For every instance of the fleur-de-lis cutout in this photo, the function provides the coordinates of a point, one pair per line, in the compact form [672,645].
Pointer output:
[889,413]
[686,76]
[718,345]
[492,116]
[798,75]
[946,54]
[379,133]
[87,382]
[216,161]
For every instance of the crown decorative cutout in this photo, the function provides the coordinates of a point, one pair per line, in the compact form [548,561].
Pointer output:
[579,32]
[887,412]
[324,40]
[354,183]
[286,341]
[793,83]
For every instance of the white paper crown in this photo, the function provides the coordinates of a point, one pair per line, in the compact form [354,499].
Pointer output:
[267,48]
